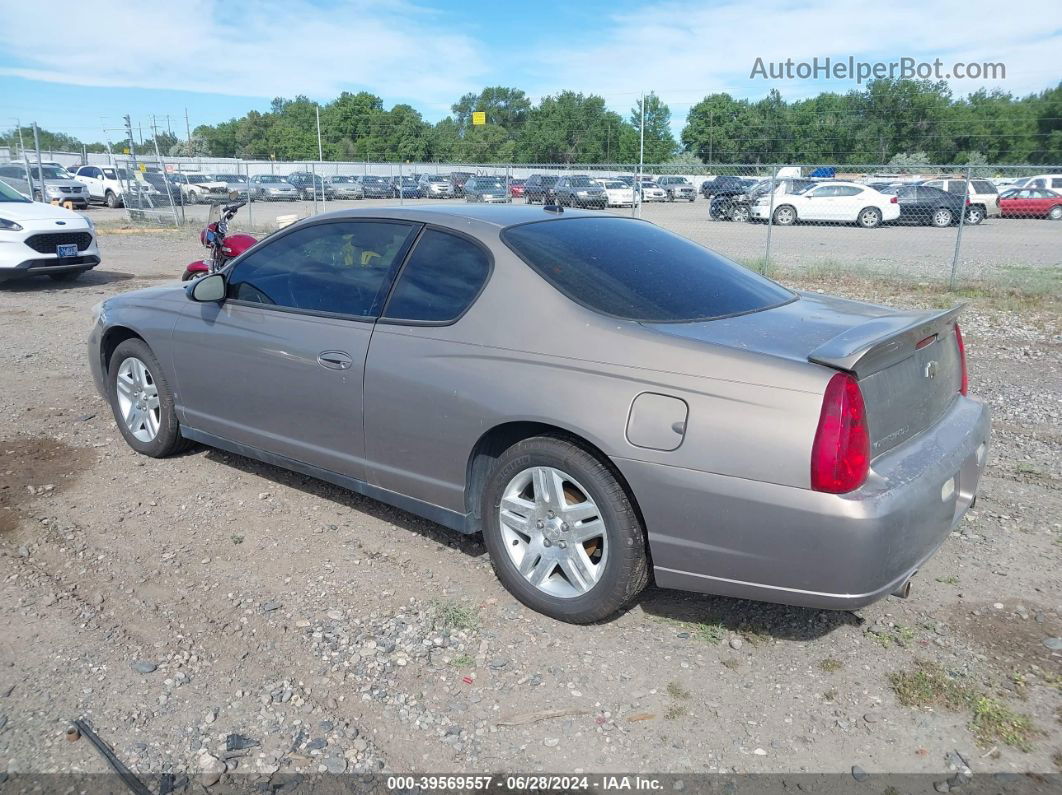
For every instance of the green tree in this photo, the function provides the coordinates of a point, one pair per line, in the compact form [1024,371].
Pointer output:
[659,140]
[570,128]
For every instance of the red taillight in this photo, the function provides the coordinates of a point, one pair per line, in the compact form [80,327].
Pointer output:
[894,200]
[964,384]
[840,455]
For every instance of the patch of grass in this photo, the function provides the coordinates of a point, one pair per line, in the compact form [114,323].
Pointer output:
[456,616]
[927,685]
[463,661]
[904,635]
[1021,684]
[830,665]
[994,721]
[237,539]
[755,636]
[711,632]
[733,663]
[677,690]
[831,694]
[675,711]
[951,579]
[1025,468]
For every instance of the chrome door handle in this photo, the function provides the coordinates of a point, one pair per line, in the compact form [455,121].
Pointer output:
[335,360]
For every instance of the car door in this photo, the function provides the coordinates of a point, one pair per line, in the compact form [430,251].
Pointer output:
[418,420]
[278,364]
[847,201]
[815,204]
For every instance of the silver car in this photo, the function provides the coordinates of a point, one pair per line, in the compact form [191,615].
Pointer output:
[270,187]
[602,399]
[59,186]
[343,187]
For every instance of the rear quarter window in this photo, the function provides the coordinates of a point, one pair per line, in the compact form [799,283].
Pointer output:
[637,271]
[442,277]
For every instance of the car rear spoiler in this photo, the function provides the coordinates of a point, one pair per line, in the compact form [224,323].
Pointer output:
[883,341]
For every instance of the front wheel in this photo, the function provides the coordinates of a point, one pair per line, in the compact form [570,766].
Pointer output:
[111,200]
[785,216]
[142,401]
[741,213]
[562,534]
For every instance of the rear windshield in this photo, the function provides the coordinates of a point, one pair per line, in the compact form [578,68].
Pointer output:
[638,271]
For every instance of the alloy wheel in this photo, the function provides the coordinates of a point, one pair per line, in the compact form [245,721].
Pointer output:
[553,532]
[138,399]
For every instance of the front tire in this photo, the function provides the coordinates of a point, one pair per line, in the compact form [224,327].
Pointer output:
[111,199]
[142,401]
[785,215]
[562,533]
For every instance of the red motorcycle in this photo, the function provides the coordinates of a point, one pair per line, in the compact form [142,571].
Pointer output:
[223,246]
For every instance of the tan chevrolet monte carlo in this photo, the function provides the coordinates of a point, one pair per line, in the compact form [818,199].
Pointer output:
[603,400]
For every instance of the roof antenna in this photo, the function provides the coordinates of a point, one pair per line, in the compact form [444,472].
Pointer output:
[552,208]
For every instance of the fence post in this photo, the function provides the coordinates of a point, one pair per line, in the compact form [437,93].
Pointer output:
[401,186]
[770,221]
[250,200]
[958,234]
[313,181]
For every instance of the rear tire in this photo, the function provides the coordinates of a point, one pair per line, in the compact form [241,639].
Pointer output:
[869,217]
[167,438]
[975,215]
[941,217]
[1055,213]
[620,550]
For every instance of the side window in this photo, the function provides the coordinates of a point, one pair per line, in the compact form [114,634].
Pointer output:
[956,186]
[439,281]
[982,186]
[847,190]
[822,193]
[1056,182]
[338,267]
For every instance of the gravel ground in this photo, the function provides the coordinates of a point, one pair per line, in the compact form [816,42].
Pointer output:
[208,613]
[1001,250]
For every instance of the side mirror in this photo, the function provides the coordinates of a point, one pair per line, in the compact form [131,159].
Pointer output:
[208,289]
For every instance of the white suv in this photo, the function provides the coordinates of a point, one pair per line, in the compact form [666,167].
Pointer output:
[983,197]
[38,238]
[109,184]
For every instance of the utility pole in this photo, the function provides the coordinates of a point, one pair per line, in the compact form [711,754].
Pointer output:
[711,133]
[188,129]
[320,153]
[641,136]
[40,168]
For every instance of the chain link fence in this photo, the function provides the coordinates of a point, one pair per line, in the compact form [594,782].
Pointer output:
[946,224]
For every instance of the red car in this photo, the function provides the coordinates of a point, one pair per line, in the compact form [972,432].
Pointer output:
[516,188]
[1031,203]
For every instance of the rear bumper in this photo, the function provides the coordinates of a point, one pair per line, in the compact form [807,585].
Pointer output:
[748,539]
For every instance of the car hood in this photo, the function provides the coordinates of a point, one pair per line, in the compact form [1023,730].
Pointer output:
[38,211]
[790,331]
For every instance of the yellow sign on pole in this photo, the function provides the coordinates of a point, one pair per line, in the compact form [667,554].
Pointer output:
[479,117]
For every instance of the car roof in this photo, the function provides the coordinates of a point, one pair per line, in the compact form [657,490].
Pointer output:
[458,215]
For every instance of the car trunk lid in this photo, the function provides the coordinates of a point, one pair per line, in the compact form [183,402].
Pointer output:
[907,363]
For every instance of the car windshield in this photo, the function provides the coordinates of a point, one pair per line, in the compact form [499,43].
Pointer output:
[636,270]
[9,194]
[270,178]
[228,178]
[582,182]
[51,172]
[438,179]
[615,184]
[372,180]
[489,182]
[124,174]
[341,179]
[549,180]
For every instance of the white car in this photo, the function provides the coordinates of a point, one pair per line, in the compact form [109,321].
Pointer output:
[651,192]
[617,194]
[1049,181]
[37,238]
[843,202]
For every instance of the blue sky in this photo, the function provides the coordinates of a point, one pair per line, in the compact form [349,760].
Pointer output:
[221,59]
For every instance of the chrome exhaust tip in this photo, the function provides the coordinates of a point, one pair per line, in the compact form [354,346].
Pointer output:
[904,590]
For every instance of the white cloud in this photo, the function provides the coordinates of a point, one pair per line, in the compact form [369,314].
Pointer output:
[271,48]
[685,50]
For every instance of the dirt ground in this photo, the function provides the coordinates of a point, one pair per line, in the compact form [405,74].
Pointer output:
[178,603]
